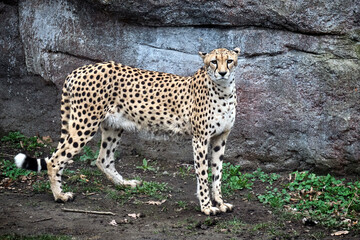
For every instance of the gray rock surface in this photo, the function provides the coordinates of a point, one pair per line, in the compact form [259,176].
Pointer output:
[305,16]
[298,78]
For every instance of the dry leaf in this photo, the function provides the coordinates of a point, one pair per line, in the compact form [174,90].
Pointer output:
[83,177]
[24,178]
[157,203]
[47,139]
[124,221]
[134,215]
[113,223]
[339,233]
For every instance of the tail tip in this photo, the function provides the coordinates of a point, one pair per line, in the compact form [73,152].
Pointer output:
[19,160]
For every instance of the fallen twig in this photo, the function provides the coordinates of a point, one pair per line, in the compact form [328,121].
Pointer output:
[41,220]
[87,211]
[6,155]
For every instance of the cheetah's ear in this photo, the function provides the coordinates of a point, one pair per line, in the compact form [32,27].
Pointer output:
[202,55]
[237,51]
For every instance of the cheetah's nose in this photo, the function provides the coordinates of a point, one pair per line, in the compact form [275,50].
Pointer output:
[222,73]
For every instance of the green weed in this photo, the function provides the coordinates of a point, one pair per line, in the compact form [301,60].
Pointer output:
[234,226]
[264,177]
[149,189]
[88,156]
[233,179]
[41,186]
[182,204]
[185,171]
[9,169]
[30,144]
[84,180]
[91,172]
[39,237]
[146,167]
[275,198]
[325,199]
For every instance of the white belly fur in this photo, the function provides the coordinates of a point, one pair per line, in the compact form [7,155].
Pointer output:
[119,121]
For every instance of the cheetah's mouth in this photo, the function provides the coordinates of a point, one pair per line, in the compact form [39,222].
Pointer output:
[223,78]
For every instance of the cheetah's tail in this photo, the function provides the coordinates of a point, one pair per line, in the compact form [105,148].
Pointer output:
[26,162]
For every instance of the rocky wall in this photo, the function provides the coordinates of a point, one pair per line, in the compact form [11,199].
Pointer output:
[298,78]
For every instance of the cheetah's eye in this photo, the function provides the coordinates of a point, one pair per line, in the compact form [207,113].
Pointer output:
[229,61]
[214,62]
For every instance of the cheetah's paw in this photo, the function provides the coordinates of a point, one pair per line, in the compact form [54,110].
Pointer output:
[132,183]
[211,210]
[226,207]
[65,197]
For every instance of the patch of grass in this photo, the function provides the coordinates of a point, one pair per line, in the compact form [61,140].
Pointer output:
[18,140]
[146,167]
[264,177]
[209,221]
[275,198]
[324,199]
[39,237]
[185,171]
[91,172]
[182,204]
[260,227]
[41,186]
[231,226]
[148,189]
[88,156]
[83,180]
[9,169]
[233,179]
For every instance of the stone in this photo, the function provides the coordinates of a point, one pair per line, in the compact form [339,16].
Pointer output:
[26,102]
[11,52]
[297,16]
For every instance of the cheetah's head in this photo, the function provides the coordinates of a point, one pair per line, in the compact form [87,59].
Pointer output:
[220,64]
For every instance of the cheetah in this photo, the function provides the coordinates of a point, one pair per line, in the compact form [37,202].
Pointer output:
[117,98]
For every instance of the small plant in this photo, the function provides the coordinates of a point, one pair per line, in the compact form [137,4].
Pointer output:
[233,179]
[30,144]
[9,169]
[182,204]
[89,155]
[41,186]
[323,199]
[150,189]
[84,179]
[145,166]
[275,198]
[209,221]
[185,171]
[38,237]
[235,225]
[264,177]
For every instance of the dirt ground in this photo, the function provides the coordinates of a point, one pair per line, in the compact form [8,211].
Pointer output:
[25,212]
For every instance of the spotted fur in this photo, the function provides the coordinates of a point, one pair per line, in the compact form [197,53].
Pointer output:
[117,98]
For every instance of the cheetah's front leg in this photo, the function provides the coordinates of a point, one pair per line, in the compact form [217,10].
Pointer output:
[200,147]
[218,148]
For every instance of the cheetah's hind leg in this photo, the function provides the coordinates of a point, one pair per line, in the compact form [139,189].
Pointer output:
[110,139]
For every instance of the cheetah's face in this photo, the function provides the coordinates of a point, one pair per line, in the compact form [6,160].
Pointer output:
[220,64]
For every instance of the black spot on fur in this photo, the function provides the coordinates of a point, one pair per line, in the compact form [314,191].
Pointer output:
[216,149]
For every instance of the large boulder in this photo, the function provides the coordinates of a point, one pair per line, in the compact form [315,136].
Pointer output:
[298,76]
[337,17]
[27,102]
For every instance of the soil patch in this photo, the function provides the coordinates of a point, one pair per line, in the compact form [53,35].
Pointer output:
[174,214]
